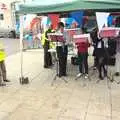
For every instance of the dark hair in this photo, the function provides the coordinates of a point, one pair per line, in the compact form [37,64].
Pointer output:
[117,24]
[60,24]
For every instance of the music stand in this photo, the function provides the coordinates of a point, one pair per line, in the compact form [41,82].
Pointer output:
[56,37]
[80,40]
[109,32]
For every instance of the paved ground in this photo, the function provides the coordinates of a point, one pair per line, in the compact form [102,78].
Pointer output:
[75,100]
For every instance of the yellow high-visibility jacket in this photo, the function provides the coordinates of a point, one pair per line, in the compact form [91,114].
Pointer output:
[43,39]
[2,53]
[52,45]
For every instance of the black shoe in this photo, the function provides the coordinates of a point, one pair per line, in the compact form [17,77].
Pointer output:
[59,75]
[6,80]
[105,74]
[46,66]
[117,74]
[2,84]
[65,75]
[101,78]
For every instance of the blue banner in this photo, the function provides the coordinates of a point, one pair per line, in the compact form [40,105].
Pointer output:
[110,20]
[78,16]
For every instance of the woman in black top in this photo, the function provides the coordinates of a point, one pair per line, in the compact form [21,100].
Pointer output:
[100,54]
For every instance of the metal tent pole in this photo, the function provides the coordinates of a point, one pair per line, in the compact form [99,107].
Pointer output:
[22,79]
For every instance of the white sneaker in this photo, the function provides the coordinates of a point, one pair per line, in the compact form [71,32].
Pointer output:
[86,76]
[79,75]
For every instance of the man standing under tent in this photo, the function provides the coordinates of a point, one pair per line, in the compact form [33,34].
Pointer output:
[62,51]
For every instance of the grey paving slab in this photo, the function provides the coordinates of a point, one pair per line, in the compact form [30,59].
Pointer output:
[75,100]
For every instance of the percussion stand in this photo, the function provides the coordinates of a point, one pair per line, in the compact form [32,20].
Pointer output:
[57,70]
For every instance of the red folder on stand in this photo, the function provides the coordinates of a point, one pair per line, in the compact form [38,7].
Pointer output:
[80,39]
[56,37]
[109,32]
[72,32]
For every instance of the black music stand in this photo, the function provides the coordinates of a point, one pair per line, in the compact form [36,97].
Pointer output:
[56,37]
[80,39]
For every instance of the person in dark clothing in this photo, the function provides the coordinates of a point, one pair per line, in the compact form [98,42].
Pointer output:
[100,54]
[117,49]
[62,51]
[94,42]
[62,56]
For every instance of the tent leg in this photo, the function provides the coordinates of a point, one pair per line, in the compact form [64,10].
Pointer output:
[22,79]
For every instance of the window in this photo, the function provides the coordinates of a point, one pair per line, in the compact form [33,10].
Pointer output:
[1,17]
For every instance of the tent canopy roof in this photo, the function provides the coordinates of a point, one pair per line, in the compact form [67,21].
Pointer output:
[104,1]
[53,6]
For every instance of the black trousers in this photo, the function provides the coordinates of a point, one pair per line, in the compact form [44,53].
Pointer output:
[101,66]
[62,52]
[47,55]
[83,62]
[100,59]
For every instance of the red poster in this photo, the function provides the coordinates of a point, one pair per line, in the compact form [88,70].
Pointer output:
[54,20]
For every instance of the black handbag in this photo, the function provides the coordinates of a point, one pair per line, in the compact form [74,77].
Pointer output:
[74,60]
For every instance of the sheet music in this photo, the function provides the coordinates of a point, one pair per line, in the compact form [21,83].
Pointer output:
[75,29]
[57,37]
[82,36]
[55,34]
[110,28]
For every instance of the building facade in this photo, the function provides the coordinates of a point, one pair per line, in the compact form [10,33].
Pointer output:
[7,13]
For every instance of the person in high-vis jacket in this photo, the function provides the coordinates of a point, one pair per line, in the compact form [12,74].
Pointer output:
[46,45]
[3,76]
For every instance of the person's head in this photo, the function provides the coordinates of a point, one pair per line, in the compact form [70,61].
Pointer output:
[74,25]
[117,22]
[61,26]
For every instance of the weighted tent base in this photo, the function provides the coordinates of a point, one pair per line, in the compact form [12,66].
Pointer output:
[24,80]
